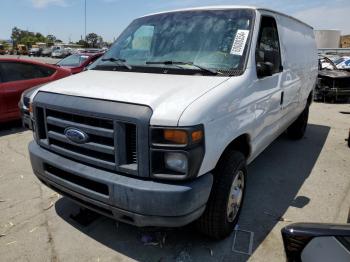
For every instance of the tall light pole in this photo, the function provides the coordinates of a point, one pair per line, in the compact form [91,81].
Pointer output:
[85,17]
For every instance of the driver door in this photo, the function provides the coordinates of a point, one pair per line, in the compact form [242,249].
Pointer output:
[268,89]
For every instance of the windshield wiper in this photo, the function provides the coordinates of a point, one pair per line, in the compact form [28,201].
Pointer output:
[202,68]
[118,61]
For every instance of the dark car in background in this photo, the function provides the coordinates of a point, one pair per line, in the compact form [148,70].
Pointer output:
[2,50]
[18,75]
[77,62]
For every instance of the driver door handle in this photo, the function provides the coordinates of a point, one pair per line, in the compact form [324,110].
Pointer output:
[282,97]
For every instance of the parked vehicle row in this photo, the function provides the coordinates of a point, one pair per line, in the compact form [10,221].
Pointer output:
[75,63]
[18,75]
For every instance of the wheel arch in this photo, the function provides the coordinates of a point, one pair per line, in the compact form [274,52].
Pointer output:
[241,144]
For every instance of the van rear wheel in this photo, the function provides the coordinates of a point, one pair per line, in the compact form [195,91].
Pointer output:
[297,129]
[226,197]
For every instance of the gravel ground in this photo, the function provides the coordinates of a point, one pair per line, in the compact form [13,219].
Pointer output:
[302,181]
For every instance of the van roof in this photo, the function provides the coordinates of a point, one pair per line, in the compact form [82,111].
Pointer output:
[223,7]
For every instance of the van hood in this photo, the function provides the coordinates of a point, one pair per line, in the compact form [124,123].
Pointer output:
[167,95]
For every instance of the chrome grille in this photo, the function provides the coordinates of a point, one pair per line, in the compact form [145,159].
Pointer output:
[100,150]
[118,132]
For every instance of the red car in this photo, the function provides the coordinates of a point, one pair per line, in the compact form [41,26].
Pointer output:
[77,62]
[17,75]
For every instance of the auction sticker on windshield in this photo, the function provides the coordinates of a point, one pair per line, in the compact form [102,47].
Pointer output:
[239,42]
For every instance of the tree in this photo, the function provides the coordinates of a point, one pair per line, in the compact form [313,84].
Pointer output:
[15,35]
[93,40]
[51,38]
[82,42]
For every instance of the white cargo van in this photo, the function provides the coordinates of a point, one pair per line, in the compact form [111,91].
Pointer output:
[159,131]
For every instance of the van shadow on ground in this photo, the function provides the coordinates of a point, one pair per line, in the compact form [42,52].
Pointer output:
[274,180]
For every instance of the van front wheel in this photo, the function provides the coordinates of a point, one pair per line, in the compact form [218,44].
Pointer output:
[226,197]
[297,129]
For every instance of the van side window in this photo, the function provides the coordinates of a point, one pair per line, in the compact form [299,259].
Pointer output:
[268,46]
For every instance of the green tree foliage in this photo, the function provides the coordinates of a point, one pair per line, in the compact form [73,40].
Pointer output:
[51,38]
[28,38]
[94,40]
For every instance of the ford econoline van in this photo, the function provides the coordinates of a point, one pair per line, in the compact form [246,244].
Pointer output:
[160,130]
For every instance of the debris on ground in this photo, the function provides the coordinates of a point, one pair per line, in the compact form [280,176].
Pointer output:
[2,200]
[184,256]
[154,239]
[248,251]
[10,243]
[283,219]
[55,195]
[2,235]
[149,240]
[51,205]
[211,252]
[32,230]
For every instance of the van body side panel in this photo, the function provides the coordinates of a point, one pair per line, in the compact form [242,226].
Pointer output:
[227,111]
[299,56]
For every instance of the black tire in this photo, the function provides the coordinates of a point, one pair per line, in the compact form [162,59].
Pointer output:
[297,130]
[214,222]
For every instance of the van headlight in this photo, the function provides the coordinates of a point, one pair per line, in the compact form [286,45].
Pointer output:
[176,153]
[176,161]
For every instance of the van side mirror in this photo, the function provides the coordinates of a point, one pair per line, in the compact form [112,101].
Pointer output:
[264,69]
[316,242]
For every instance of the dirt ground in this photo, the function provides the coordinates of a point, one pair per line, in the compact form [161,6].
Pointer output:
[302,181]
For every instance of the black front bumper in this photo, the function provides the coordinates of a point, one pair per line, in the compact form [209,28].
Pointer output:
[127,199]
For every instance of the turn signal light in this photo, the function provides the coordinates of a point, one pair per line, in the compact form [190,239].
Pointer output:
[30,108]
[197,136]
[176,136]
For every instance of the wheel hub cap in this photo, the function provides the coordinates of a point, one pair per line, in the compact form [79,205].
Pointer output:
[235,197]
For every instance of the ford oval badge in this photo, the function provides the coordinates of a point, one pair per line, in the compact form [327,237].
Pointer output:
[75,135]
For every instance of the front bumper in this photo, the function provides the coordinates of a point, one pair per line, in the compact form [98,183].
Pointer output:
[127,199]
[26,120]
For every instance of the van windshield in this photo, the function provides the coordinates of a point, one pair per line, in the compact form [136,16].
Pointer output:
[183,42]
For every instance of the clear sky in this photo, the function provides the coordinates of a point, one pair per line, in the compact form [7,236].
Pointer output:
[65,18]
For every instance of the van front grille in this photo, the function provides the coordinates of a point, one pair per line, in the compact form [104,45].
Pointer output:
[100,149]
[114,135]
